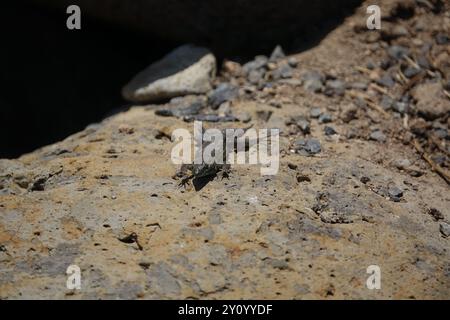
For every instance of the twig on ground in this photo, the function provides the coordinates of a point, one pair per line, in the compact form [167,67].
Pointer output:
[437,168]
[363,70]
[369,102]
[438,144]
[402,77]
[405,121]
[411,62]
[382,90]
[447,93]
[411,83]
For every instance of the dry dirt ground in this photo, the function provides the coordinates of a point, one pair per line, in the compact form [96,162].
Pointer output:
[369,197]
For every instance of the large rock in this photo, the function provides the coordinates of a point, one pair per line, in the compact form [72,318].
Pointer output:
[306,233]
[186,70]
[223,25]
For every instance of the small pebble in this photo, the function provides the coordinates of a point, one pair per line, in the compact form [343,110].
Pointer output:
[445,229]
[224,92]
[264,115]
[397,52]
[325,118]
[301,122]
[386,63]
[313,85]
[258,63]
[399,31]
[307,147]
[400,107]
[441,133]
[335,87]
[442,38]
[292,166]
[395,193]
[293,62]
[359,86]
[243,116]
[283,72]
[370,65]
[256,76]
[386,81]
[277,54]
[378,135]
[304,125]
[313,81]
[402,164]
[423,62]
[329,131]
[315,112]
[386,102]
[410,72]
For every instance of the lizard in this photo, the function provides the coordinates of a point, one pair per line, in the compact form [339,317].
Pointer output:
[188,172]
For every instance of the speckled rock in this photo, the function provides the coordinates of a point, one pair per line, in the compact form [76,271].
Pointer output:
[246,237]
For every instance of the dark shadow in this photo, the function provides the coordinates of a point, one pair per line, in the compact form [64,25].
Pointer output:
[54,82]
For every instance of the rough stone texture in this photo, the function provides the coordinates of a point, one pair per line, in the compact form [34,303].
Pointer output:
[186,70]
[310,231]
[246,237]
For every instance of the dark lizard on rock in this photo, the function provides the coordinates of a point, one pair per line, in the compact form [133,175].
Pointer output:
[192,172]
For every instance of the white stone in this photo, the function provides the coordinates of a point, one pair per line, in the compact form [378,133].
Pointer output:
[186,70]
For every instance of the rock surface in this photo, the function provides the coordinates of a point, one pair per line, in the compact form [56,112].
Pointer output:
[246,237]
[105,200]
[186,70]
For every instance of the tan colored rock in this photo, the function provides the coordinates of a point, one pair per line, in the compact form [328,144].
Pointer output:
[309,232]
[431,102]
[186,70]
[249,236]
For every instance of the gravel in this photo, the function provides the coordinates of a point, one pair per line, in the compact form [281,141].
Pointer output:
[307,147]
[282,72]
[256,64]
[224,92]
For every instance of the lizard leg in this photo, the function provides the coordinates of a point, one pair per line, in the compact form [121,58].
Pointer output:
[225,172]
[185,181]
